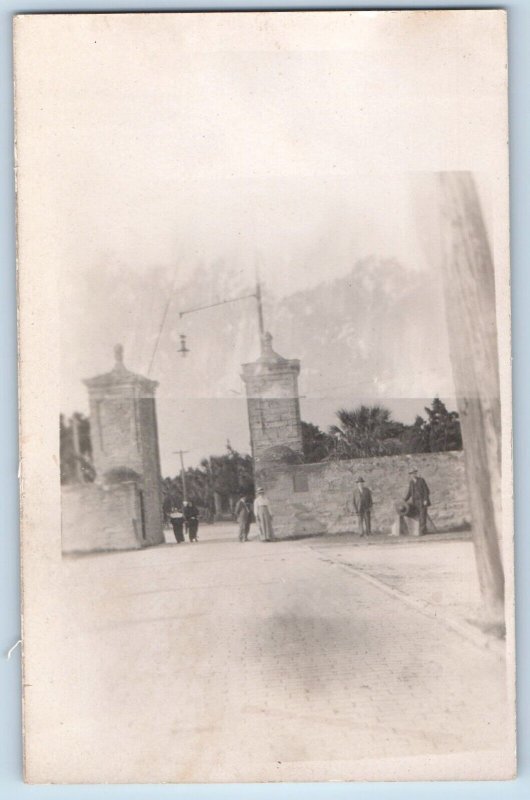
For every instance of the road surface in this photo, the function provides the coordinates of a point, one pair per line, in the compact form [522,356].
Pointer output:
[229,661]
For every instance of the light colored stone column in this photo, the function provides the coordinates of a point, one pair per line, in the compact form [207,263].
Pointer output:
[273,402]
[124,436]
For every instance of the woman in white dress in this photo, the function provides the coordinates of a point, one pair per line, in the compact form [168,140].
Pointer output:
[262,513]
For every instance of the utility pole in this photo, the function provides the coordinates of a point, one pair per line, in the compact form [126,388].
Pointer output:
[181,453]
[260,307]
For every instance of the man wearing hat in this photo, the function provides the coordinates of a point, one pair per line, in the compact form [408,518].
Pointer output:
[191,517]
[419,500]
[362,503]
[243,514]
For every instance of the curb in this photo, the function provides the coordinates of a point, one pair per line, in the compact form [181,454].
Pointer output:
[481,640]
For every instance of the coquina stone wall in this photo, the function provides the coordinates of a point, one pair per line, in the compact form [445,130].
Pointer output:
[317,498]
[94,518]
[124,435]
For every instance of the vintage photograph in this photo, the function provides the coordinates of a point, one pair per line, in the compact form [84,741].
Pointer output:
[264,301]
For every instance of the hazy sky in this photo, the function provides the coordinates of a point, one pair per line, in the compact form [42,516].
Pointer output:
[185,153]
[313,235]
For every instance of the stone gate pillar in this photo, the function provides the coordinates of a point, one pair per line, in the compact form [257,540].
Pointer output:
[273,402]
[124,436]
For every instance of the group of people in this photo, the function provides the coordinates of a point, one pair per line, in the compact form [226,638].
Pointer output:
[415,503]
[245,511]
[187,519]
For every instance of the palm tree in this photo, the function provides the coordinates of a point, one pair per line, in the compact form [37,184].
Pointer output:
[366,431]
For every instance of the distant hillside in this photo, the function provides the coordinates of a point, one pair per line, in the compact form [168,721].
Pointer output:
[377,332]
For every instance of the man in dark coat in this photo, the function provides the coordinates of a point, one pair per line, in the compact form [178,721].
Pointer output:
[242,513]
[362,503]
[191,515]
[419,500]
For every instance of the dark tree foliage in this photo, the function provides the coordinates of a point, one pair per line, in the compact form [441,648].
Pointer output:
[416,437]
[230,474]
[317,445]
[75,466]
[442,428]
[370,431]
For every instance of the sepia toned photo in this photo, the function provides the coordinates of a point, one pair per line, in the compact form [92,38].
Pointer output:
[265,398]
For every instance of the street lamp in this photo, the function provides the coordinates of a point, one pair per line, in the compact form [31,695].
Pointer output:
[256,295]
[183,350]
